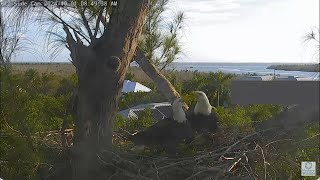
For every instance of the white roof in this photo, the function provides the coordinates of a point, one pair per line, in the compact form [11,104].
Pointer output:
[277,78]
[134,64]
[129,86]
[129,113]
[304,79]
[259,78]
[293,78]
[151,105]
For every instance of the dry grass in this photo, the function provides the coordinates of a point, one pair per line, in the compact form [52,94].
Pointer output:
[139,75]
[62,69]
[66,69]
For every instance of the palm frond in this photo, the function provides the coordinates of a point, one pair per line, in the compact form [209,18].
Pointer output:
[12,39]
[56,42]
[48,17]
[313,37]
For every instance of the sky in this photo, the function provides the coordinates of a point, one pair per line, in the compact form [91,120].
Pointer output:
[262,31]
[250,30]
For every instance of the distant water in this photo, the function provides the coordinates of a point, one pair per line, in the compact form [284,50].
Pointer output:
[233,68]
[239,68]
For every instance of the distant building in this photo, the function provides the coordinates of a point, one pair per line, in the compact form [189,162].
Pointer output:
[130,86]
[258,78]
[159,111]
[276,78]
[293,78]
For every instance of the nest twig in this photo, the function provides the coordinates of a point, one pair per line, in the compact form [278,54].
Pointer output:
[221,162]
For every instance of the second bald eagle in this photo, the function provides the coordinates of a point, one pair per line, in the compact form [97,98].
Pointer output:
[201,117]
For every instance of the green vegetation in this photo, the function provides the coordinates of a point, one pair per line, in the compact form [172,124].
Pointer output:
[31,105]
[34,106]
[239,116]
[297,67]
[131,125]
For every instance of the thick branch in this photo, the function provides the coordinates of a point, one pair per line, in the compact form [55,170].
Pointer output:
[69,37]
[73,46]
[164,86]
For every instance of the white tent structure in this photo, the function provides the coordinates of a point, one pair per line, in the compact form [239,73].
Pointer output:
[129,86]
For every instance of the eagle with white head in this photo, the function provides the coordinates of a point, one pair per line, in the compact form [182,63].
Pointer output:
[202,117]
[203,106]
[178,113]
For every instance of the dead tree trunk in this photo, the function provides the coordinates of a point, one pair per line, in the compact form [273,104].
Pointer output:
[101,68]
[164,86]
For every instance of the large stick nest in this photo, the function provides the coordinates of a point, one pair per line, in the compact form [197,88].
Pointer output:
[264,152]
[238,156]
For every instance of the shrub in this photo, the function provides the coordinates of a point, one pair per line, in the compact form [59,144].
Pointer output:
[145,120]
[30,105]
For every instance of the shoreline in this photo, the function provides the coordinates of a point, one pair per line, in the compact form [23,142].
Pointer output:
[66,69]
[296,67]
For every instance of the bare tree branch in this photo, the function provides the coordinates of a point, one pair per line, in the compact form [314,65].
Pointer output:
[69,37]
[98,22]
[86,23]
[64,23]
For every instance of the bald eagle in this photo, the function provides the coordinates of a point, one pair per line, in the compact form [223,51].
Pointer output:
[201,117]
[167,133]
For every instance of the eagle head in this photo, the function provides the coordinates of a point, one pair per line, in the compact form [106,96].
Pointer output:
[203,106]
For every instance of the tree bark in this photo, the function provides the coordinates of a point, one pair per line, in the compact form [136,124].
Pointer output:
[163,85]
[101,68]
